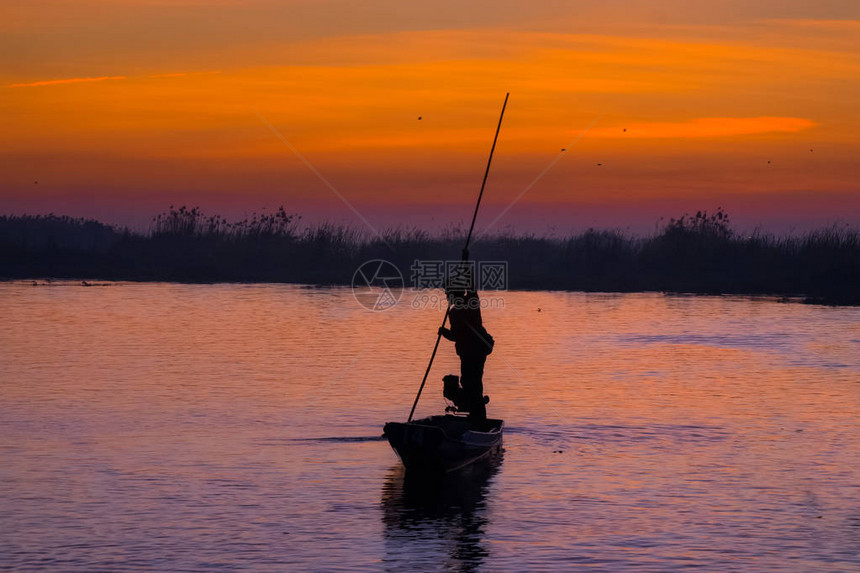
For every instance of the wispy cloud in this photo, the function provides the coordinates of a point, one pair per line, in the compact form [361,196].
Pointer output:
[66,81]
[105,78]
[846,25]
[707,127]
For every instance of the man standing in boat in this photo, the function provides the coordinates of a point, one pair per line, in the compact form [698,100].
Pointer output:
[473,344]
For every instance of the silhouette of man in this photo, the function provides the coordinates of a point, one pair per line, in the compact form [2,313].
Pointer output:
[473,343]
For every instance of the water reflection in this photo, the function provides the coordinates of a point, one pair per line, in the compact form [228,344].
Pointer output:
[437,522]
[157,429]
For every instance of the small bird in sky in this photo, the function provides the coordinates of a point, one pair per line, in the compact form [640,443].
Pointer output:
[419,118]
[600,165]
[625,130]
[563,149]
[768,162]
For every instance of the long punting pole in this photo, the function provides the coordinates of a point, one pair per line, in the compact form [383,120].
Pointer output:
[465,250]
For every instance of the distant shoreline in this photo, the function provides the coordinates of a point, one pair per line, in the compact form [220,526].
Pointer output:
[59,282]
[698,254]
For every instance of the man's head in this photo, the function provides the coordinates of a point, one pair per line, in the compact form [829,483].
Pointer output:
[455,296]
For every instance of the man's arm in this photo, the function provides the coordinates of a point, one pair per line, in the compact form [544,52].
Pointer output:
[446,333]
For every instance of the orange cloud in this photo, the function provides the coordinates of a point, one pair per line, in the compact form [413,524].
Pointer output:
[66,81]
[707,127]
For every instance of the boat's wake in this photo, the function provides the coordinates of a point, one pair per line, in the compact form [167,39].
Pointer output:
[341,439]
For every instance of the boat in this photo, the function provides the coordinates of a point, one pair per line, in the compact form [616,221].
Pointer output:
[443,443]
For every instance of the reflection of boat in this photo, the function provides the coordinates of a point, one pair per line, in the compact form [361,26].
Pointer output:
[437,522]
[443,443]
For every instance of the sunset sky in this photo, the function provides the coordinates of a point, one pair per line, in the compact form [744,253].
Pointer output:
[118,109]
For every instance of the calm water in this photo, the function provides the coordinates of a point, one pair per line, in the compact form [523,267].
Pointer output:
[169,427]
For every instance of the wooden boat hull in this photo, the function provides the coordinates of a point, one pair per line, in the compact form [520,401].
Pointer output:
[442,443]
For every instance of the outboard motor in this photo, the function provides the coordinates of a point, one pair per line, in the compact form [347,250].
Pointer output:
[453,392]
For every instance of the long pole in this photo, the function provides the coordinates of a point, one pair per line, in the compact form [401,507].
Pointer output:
[486,174]
[465,256]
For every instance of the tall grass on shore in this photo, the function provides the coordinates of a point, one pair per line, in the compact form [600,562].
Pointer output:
[699,253]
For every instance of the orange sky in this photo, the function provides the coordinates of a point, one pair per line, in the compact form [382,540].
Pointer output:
[120,109]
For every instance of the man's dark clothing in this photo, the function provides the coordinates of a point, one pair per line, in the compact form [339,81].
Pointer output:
[472,381]
[472,343]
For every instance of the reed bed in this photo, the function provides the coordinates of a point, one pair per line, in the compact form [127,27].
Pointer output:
[699,253]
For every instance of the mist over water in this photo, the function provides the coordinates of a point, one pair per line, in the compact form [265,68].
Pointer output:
[164,427]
